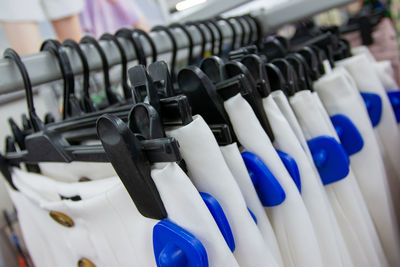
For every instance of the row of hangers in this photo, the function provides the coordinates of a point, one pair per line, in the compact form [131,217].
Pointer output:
[131,128]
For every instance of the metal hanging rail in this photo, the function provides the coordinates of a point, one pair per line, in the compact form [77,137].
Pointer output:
[43,66]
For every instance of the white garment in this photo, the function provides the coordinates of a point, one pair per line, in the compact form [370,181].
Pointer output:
[344,195]
[284,106]
[340,97]
[333,248]
[236,164]
[290,220]
[38,10]
[210,174]
[74,171]
[387,131]
[108,229]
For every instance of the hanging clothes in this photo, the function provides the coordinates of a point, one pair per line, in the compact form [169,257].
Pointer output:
[77,230]
[334,251]
[210,174]
[339,96]
[344,194]
[235,163]
[301,249]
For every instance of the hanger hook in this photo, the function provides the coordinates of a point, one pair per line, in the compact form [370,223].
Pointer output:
[70,106]
[190,40]
[87,103]
[242,30]
[174,46]
[234,33]
[136,38]
[250,26]
[212,41]
[111,97]
[137,46]
[214,22]
[12,55]
[124,80]
[203,38]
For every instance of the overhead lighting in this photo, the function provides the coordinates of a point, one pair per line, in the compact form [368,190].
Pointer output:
[188,4]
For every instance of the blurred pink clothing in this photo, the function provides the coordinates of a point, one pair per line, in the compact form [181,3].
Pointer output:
[100,16]
[385,45]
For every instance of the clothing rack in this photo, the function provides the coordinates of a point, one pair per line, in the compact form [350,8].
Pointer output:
[43,68]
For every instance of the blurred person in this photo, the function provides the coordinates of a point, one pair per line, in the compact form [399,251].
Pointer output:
[20,18]
[100,16]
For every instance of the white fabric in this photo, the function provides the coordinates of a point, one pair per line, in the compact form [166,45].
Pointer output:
[284,106]
[38,10]
[236,164]
[108,229]
[210,174]
[290,220]
[333,248]
[386,76]
[344,195]
[340,97]
[74,171]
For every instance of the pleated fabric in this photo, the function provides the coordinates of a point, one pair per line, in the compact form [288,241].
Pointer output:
[108,229]
[236,164]
[333,248]
[210,174]
[344,195]
[339,96]
[290,220]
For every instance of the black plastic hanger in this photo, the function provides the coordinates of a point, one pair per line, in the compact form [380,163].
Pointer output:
[128,34]
[321,57]
[86,102]
[256,66]
[212,36]
[124,61]
[220,35]
[136,39]
[131,164]
[277,81]
[71,107]
[173,109]
[242,30]
[238,54]
[203,40]
[202,95]
[214,68]
[159,73]
[35,121]
[174,46]
[190,41]
[298,65]
[289,74]
[273,48]
[234,33]
[111,96]
[250,31]
[312,61]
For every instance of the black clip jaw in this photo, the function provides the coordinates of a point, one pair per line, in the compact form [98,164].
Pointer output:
[125,153]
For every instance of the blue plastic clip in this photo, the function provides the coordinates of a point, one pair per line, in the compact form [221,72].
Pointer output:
[267,186]
[292,167]
[219,217]
[330,158]
[253,216]
[373,102]
[394,97]
[349,136]
[175,247]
